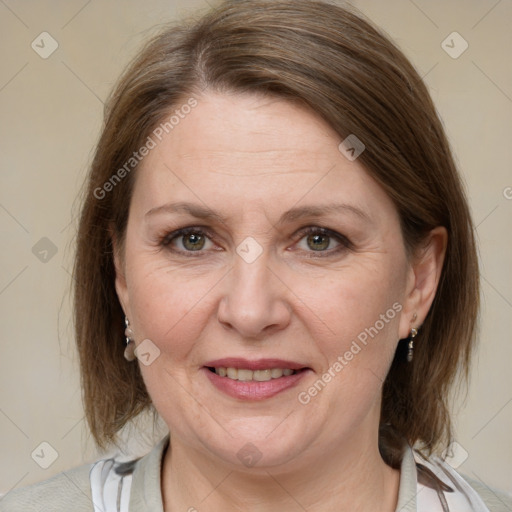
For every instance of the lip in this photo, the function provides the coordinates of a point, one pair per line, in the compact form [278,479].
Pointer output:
[258,364]
[254,390]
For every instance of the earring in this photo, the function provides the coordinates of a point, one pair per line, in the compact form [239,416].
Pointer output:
[129,351]
[410,352]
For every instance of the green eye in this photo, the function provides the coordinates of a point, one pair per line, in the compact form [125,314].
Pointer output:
[187,240]
[193,241]
[318,242]
[322,241]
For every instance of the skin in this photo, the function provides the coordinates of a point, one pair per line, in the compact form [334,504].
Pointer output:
[252,158]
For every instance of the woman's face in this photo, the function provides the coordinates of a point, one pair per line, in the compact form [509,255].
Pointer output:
[292,262]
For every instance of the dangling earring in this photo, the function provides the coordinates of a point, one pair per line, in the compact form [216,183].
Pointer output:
[410,352]
[129,351]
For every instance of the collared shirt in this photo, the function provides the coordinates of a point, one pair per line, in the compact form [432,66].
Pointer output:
[110,485]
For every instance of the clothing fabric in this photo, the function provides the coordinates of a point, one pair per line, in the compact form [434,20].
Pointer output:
[110,485]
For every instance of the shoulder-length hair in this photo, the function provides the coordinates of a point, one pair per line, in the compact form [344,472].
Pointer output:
[348,73]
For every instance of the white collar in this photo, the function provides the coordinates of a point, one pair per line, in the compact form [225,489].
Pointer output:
[138,488]
[415,496]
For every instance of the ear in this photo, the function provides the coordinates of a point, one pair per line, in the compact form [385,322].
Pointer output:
[423,278]
[119,264]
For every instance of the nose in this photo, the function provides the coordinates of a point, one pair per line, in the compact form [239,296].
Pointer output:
[255,302]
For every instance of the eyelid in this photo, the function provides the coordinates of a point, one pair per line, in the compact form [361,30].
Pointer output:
[166,241]
[344,242]
[168,237]
[324,231]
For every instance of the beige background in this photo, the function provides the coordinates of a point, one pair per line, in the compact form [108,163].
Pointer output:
[51,111]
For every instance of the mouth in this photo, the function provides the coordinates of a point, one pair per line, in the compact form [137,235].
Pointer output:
[254,380]
[246,375]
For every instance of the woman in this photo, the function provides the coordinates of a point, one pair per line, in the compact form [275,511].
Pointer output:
[275,224]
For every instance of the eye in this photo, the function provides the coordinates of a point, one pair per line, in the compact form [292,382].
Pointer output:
[187,240]
[322,240]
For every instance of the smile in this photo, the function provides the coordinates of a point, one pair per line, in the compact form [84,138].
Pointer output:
[246,375]
[254,380]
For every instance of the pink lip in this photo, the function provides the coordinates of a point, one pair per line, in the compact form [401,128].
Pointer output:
[254,390]
[259,364]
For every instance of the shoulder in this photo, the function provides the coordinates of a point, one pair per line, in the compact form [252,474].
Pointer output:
[496,501]
[69,490]
[113,482]
[438,482]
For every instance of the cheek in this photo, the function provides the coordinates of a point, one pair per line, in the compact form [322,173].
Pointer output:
[168,306]
[358,313]
[362,314]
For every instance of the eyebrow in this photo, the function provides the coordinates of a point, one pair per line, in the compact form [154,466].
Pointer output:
[294,214]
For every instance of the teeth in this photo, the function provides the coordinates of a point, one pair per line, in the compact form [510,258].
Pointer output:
[261,375]
[249,375]
[244,374]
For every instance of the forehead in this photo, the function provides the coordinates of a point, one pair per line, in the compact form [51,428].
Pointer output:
[252,151]
[252,129]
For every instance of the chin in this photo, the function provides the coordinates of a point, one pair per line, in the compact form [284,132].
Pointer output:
[259,443]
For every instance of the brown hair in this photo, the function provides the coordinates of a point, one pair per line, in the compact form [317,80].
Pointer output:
[345,70]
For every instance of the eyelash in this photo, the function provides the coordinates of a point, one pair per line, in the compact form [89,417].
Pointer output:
[310,230]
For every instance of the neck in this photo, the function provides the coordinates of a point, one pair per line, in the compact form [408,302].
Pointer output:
[347,479]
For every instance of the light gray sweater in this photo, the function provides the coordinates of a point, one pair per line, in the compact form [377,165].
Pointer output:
[70,491]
